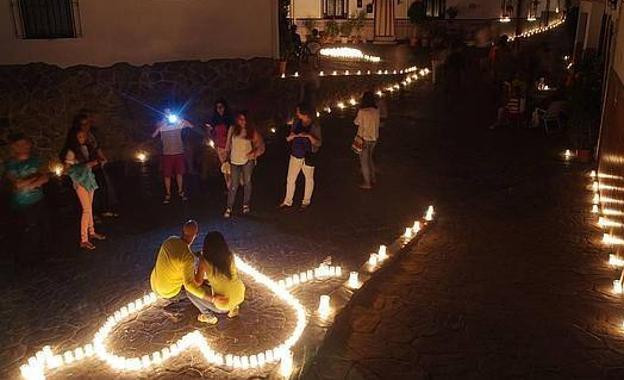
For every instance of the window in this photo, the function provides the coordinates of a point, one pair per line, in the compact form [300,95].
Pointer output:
[45,19]
[335,8]
[435,8]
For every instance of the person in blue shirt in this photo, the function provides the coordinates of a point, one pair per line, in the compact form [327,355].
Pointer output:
[26,175]
[305,140]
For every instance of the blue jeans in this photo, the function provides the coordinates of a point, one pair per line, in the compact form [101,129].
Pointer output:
[366,162]
[204,306]
[238,172]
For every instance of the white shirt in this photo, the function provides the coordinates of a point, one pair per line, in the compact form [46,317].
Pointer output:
[241,147]
[367,120]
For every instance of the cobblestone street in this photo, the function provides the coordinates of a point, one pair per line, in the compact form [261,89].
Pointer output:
[510,282]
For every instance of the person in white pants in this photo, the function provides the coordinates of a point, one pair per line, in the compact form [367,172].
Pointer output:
[305,141]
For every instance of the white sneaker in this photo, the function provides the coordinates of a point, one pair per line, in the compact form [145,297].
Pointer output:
[208,318]
[228,213]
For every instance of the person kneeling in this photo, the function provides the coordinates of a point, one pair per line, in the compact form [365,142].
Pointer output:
[216,265]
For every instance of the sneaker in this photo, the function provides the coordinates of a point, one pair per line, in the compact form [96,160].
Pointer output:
[228,213]
[183,196]
[208,318]
[97,236]
[246,209]
[87,246]
[234,312]
[167,199]
[284,206]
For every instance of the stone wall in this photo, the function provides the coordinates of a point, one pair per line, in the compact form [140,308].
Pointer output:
[41,100]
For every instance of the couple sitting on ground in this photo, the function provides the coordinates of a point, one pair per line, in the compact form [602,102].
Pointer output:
[177,266]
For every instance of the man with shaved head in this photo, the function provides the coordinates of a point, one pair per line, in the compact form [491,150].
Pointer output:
[175,269]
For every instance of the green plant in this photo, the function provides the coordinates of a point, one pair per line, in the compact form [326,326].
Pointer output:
[452,12]
[346,27]
[331,28]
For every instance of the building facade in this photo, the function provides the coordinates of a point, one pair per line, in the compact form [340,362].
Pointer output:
[105,32]
[467,12]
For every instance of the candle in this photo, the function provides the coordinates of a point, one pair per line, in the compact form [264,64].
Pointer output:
[382,253]
[354,281]
[416,227]
[324,308]
[617,287]
[408,233]
[372,260]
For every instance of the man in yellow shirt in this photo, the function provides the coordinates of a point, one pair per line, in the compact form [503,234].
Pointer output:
[175,269]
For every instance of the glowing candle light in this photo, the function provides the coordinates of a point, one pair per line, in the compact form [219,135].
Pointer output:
[408,233]
[141,156]
[354,282]
[296,75]
[324,308]
[340,105]
[609,239]
[429,214]
[346,72]
[286,365]
[595,186]
[615,260]
[58,170]
[379,93]
[596,199]
[617,286]
[359,72]
[567,154]
[321,73]
[283,76]
[372,261]
[334,72]
[382,253]
[352,101]
[595,209]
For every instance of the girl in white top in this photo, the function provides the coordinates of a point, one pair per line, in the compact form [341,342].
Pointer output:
[367,121]
[244,145]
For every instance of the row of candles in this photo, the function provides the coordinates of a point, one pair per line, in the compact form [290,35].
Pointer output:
[347,72]
[608,220]
[348,53]
[45,359]
[538,30]
[413,74]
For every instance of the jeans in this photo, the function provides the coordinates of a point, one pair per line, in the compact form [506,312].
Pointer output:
[296,165]
[86,221]
[202,305]
[238,171]
[366,162]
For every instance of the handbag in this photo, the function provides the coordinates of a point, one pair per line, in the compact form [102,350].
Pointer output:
[357,145]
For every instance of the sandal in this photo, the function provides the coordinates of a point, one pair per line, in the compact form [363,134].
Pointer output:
[183,196]
[87,245]
[208,318]
[97,236]
[246,209]
[167,199]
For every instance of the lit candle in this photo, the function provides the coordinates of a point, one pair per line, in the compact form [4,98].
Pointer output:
[58,170]
[429,214]
[372,261]
[595,209]
[340,105]
[595,186]
[346,72]
[354,281]
[141,156]
[617,287]
[596,199]
[408,233]
[321,73]
[567,154]
[615,260]
[416,227]
[296,75]
[283,75]
[352,101]
[382,253]
[324,308]
[286,364]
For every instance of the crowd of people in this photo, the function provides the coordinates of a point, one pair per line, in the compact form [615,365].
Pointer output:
[236,140]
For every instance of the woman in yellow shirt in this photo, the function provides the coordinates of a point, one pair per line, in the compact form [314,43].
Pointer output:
[220,271]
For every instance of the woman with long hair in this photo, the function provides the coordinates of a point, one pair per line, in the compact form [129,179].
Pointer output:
[218,129]
[219,269]
[367,121]
[79,165]
[244,145]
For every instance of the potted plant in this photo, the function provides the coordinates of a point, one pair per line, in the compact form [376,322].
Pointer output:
[345,30]
[331,30]
[417,14]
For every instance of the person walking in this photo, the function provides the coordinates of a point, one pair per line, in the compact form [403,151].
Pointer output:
[367,121]
[173,161]
[305,141]
[79,165]
[244,146]
[218,129]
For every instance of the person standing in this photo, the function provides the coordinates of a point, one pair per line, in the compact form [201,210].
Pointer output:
[173,161]
[26,175]
[106,199]
[218,129]
[79,165]
[244,145]
[367,121]
[175,269]
[305,141]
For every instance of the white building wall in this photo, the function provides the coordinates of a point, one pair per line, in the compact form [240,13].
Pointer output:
[148,31]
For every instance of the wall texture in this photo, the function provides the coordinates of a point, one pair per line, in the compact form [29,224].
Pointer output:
[148,31]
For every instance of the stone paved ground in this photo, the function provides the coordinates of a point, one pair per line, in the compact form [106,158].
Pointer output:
[60,299]
[511,283]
